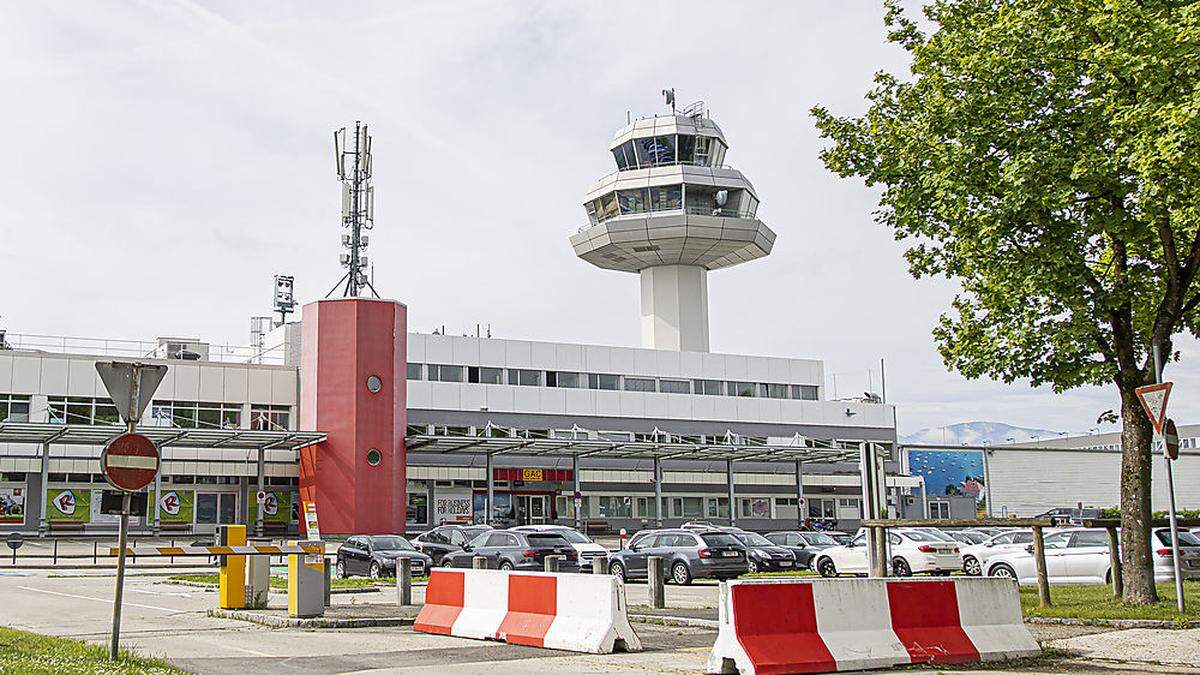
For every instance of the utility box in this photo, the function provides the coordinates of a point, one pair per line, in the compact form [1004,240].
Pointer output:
[232,575]
[258,581]
[306,581]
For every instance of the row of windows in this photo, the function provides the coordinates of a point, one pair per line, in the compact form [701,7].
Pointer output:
[436,372]
[14,408]
[697,507]
[696,199]
[175,480]
[180,414]
[667,149]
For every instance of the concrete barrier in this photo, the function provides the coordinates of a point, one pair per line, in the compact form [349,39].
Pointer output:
[574,612]
[818,626]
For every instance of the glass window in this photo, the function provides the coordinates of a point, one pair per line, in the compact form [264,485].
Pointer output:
[666,198]
[1058,540]
[624,155]
[266,417]
[599,381]
[687,149]
[1090,538]
[718,507]
[615,507]
[206,508]
[775,390]
[720,539]
[704,150]
[443,373]
[608,206]
[708,387]
[525,378]
[805,392]
[564,380]
[647,507]
[655,150]
[740,388]
[414,371]
[640,384]
[15,408]
[718,153]
[633,201]
[675,386]
[688,507]
[481,375]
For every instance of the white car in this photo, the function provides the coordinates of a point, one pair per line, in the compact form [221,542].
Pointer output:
[911,551]
[976,556]
[585,548]
[1081,556]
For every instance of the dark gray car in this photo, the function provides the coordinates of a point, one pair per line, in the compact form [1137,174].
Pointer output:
[686,554]
[514,550]
[375,556]
[762,555]
[804,545]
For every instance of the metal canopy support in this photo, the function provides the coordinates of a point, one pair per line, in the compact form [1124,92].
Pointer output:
[43,526]
[658,489]
[260,470]
[730,491]
[491,490]
[799,493]
[575,498]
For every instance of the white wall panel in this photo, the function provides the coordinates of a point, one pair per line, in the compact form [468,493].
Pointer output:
[211,383]
[6,372]
[53,377]
[187,382]
[283,387]
[83,380]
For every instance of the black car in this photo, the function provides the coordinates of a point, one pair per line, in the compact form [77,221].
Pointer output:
[803,545]
[514,550]
[687,554]
[761,554]
[444,539]
[375,555]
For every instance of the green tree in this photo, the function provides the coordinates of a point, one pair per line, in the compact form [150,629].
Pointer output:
[1044,154]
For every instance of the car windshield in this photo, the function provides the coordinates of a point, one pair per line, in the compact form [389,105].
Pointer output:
[390,544]
[753,539]
[937,535]
[720,539]
[819,539]
[921,535]
[571,536]
[969,537]
[1185,538]
[471,532]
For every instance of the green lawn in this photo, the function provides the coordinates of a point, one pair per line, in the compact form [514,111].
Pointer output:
[769,575]
[281,582]
[1095,601]
[24,652]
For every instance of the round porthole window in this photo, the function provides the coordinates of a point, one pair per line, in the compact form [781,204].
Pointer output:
[374,384]
[374,457]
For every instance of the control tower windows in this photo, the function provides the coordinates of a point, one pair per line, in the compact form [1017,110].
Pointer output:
[655,150]
[608,207]
[624,155]
[703,150]
[633,201]
[687,149]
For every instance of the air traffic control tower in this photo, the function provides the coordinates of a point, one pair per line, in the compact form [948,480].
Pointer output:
[671,212]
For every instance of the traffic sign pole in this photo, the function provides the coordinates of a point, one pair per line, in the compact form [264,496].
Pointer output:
[1170,493]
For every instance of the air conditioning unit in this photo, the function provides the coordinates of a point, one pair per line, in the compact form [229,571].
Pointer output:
[184,349]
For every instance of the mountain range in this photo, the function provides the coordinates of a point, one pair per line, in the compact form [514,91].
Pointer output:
[977,433]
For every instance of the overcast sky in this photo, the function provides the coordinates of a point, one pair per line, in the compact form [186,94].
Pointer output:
[163,160]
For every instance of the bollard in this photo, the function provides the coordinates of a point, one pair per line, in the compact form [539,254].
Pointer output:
[328,584]
[404,581]
[55,552]
[655,582]
[232,575]
[598,565]
[551,562]
[479,562]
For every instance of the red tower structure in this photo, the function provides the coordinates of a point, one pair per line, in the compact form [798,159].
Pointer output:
[353,387]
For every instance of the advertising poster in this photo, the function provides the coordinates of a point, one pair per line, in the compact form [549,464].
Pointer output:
[177,506]
[277,507]
[950,472]
[12,506]
[501,509]
[68,505]
[452,506]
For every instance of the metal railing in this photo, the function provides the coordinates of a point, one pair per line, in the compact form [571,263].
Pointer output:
[135,349]
[656,165]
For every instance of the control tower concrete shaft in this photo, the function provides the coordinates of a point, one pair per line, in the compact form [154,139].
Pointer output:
[671,212]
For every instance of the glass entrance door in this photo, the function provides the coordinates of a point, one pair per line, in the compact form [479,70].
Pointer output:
[531,509]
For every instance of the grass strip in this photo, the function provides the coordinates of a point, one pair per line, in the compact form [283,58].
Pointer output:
[25,652]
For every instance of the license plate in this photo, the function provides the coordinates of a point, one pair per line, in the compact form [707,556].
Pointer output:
[786,563]
[730,554]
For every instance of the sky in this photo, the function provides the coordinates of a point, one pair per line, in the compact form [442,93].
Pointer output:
[165,159]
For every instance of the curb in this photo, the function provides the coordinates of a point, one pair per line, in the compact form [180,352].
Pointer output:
[274,621]
[1113,623]
[676,621]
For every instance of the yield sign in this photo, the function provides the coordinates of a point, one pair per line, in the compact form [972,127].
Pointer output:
[1154,402]
[130,386]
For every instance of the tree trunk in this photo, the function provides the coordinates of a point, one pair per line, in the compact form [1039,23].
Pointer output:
[1136,435]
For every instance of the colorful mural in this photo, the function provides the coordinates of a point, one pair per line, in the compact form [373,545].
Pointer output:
[950,472]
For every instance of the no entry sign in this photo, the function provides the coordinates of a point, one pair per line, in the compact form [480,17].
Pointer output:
[129,462]
[1171,440]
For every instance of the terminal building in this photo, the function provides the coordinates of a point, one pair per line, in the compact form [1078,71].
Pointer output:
[389,430]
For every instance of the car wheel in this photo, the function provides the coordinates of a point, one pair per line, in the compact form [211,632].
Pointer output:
[341,569]
[900,568]
[1002,571]
[681,574]
[506,566]
[753,566]
[376,571]
[826,568]
[618,570]
[971,566]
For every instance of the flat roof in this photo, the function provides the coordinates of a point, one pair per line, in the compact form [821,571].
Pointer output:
[562,447]
[231,439]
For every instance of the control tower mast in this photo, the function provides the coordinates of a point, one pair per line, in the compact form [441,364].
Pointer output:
[671,212]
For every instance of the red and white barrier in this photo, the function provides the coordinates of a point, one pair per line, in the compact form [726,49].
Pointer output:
[575,612]
[828,625]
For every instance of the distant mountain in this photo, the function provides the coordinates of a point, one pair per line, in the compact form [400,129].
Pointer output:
[976,433]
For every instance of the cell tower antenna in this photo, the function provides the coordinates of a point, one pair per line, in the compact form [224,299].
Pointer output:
[353,163]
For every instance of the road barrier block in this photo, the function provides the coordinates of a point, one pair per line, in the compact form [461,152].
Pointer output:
[574,612]
[817,626]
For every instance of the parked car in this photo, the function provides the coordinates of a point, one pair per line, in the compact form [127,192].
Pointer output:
[699,525]
[840,537]
[967,537]
[976,555]
[803,545]
[444,539]
[686,554]
[910,551]
[514,550]
[586,549]
[1070,515]
[763,555]
[1081,556]
[375,555]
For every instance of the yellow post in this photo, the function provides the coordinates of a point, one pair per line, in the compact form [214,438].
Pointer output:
[233,568]
[306,580]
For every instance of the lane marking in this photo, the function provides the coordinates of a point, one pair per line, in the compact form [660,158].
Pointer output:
[168,593]
[107,601]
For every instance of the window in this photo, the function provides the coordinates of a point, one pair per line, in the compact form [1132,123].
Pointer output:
[525,378]
[805,392]
[718,507]
[655,150]
[14,408]
[647,507]
[633,201]
[624,155]
[939,510]
[270,417]
[708,387]
[615,507]
[78,410]
[609,382]
[675,386]
[482,375]
[640,384]
[704,150]
[418,508]
[740,388]
[666,198]
[441,373]
[754,507]
[414,371]
[1089,538]
[774,390]
[687,507]
[564,380]
[821,508]
[194,415]
[686,149]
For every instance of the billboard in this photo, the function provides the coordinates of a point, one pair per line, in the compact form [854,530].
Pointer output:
[176,506]
[950,472]
[277,507]
[12,506]
[453,506]
[69,505]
